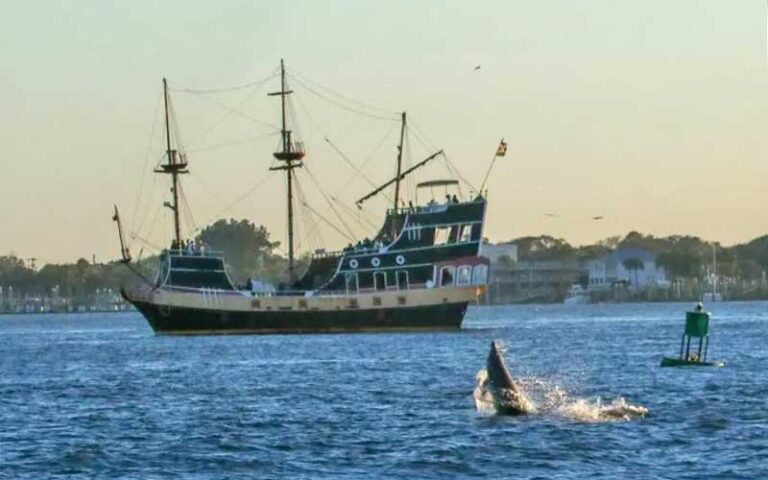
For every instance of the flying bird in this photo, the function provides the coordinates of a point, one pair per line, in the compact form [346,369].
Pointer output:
[476,68]
[551,215]
[600,217]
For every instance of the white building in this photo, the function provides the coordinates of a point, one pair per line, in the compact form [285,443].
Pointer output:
[633,266]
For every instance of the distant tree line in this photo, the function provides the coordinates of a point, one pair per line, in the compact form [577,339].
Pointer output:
[247,248]
[250,253]
[682,256]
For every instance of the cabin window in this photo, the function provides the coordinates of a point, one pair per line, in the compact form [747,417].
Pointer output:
[446,276]
[402,280]
[465,233]
[352,283]
[414,232]
[442,235]
[380,281]
[480,274]
[464,276]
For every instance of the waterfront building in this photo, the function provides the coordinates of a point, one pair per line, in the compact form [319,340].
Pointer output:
[633,267]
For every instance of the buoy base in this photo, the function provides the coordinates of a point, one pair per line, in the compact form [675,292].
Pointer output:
[679,362]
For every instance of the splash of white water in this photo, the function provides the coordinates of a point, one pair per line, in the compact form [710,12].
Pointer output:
[547,398]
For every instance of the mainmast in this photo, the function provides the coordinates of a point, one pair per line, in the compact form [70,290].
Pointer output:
[176,164]
[291,155]
[399,163]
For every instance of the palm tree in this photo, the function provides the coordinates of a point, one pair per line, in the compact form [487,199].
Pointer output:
[634,265]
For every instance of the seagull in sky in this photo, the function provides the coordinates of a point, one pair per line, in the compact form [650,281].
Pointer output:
[476,68]
[551,215]
[599,217]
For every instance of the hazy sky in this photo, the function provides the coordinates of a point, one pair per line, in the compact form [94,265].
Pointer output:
[652,114]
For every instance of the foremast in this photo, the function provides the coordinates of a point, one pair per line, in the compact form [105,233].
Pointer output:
[175,165]
[290,155]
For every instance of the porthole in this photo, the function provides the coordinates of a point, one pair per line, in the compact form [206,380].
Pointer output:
[375,262]
[400,259]
[353,263]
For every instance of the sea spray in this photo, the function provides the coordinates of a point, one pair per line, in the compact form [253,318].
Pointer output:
[544,397]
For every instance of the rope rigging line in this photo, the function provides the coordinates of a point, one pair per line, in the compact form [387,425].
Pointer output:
[455,171]
[329,223]
[153,199]
[307,222]
[229,89]
[298,229]
[175,127]
[240,198]
[151,196]
[239,113]
[187,210]
[228,114]
[211,194]
[306,112]
[425,141]
[146,242]
[357,170]
[369,158]
[294,123]
[299,77]
[349,162]
[357,215]
[342,106]
[325,197]
[136,235]
[240,141]
[144,169]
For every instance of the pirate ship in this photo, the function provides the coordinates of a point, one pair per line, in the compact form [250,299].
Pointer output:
[419,272]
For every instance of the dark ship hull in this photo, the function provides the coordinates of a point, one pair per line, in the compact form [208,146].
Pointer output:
[192,321]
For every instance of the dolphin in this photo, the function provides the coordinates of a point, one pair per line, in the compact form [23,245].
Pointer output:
[508,397]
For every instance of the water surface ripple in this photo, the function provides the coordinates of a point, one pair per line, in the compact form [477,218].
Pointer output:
[100,396]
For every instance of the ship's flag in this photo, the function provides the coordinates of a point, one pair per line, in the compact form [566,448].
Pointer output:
[502,149]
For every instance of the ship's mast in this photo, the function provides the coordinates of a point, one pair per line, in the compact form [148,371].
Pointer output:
[175,166]
[399,163]
[291,156]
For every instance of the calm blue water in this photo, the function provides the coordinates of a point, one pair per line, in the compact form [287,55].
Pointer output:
[99,396]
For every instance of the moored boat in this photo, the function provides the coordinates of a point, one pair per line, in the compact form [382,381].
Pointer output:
[576,295]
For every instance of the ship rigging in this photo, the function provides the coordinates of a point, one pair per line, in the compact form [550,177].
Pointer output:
[418,271]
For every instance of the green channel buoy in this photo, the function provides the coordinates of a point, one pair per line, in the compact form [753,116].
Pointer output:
[696,327]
